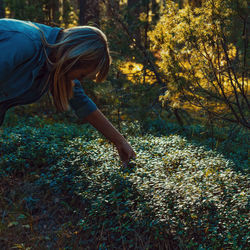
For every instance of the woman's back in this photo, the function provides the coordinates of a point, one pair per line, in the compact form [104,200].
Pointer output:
[22,55]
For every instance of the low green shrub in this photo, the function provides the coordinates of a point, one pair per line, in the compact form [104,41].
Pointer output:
[231,141]
[175,194]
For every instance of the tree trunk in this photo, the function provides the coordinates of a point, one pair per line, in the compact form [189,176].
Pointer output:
[2,9]
[55,8]
[89,12]
[133,19]
[82,8]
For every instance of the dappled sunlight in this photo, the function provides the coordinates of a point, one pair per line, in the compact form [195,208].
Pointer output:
[173,182]
[137,74]
[176,95]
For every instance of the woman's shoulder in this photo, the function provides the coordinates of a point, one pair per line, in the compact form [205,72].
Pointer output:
[18,26]
[31,30]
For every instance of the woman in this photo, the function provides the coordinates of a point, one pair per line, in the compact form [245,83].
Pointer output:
[35,58]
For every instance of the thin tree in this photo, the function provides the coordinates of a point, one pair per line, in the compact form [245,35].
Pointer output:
[82,8]
[2,9]
[89,12]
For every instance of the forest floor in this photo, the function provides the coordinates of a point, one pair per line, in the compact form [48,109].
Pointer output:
[62,186]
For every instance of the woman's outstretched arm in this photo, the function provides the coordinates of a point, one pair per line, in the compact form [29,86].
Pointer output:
[104,126]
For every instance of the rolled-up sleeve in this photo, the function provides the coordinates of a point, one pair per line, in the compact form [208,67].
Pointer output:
[80,102]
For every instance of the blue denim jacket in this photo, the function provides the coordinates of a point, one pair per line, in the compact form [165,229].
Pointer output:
[23,70]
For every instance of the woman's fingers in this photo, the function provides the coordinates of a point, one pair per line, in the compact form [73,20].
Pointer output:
[125,152]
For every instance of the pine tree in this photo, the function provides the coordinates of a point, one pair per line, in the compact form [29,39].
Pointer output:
[204,63]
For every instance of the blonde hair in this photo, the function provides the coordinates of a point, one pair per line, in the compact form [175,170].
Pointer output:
[78,47]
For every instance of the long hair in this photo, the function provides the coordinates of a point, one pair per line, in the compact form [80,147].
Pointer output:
[78,47]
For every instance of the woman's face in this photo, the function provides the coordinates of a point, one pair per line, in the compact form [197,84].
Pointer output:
[81,73]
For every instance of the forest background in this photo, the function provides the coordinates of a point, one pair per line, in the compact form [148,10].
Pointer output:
[178,90]
[181,61]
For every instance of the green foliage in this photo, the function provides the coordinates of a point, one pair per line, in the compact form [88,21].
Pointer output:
[53,12]
[205,58]
[233,142]
[21,10]
[187,188]
[175,193]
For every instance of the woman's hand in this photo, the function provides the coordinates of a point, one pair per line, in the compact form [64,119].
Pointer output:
[125,152]
[104,126]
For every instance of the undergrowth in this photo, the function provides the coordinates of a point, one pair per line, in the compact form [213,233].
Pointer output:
[63,186]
